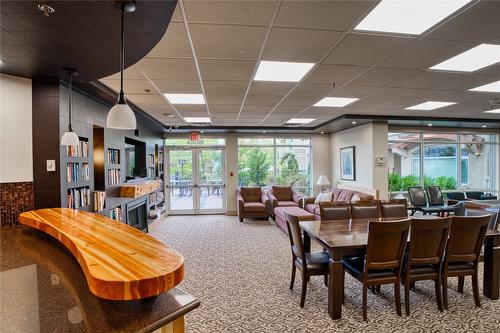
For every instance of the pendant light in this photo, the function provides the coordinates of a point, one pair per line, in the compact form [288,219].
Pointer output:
[121,115]
[70,138]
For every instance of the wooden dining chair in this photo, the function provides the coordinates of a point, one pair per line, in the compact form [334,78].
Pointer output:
[383,261]
[309,264]
[365,209]
[463,251]
[335,210]
[395,208]
[424,259]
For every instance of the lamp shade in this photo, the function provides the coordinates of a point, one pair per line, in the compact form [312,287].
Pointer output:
[121,116]
[323,181]
[70,138]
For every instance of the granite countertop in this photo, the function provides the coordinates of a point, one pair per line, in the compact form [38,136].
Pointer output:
[43,289]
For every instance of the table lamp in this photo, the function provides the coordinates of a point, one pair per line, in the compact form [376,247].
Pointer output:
[323,182]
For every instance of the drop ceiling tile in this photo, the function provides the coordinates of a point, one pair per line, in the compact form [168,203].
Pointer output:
[428,79]
[196,108]
[263,100]
[425,53]
[394,93]
[225,88]
[131,73]
[261,88]
[177,15]
[145,99]
[468,81]
[329,15]
[236,100]
[194,113]
[299,45]
[178,87]
[226,109]
[256,110]
[381,77]
[302,101]
[338,74]
[227,41]
[229,70]
[354,91]
[365,49]
[174,44]
[312,90]
[493,70]
[230,12]
[169,69]
[157,108]
[287,110]
[130,86]
[478,23]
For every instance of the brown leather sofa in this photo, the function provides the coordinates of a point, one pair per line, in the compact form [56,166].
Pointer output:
[338,194]
[283,196]
[252,202]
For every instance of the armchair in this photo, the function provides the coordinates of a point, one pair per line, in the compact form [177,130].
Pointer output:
[283,196]
[252,202]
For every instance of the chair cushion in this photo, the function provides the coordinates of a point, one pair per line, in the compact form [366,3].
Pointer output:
[293,210]
[313,208]
[421,270]
[357,266]
[323,197]
[335,194]
[255,207]
[459,266]
[251,194]
[363,196]
[282,193]
[316,261]
[345,195]
[286,203]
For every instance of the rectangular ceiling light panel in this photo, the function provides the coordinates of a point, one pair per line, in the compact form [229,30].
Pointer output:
[430,105]
[493,111]
[335,102]
[300,120]
[185,98]
[197,119]
[490,87]
[280,71]
[411,17]
[478,57]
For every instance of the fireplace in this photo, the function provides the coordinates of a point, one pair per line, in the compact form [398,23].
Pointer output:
[137,216]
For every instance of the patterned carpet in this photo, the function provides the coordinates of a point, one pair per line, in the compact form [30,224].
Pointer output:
[241,271]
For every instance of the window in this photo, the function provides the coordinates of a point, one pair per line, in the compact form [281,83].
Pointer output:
[453,161]
[282,161]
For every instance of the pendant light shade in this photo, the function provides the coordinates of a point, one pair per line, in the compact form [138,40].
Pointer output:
[121,115]
[70,138]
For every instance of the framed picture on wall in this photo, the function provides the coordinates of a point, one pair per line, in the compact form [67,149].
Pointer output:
[348,163]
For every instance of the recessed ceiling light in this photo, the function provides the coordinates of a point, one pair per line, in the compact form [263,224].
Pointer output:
[202,132]
[490,87]
[322,133]
[197,119]
[469,61]
[185,98]
[354,123]
[408,17]
[492,111]
[484,126]
[263,132]
[168,115]
[300,120]
[335,102]
[430,125]
[429,105]
[282,71]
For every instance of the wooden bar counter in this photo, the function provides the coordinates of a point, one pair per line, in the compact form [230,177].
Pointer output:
[43,289]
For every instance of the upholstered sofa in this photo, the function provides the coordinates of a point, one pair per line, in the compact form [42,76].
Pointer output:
[282,196]
[338,194]
[252,202]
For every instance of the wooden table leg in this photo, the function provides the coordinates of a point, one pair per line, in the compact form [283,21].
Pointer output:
[307,243]
[335,285]
[491,274]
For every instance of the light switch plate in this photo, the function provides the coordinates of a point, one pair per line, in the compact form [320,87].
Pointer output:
[51,165]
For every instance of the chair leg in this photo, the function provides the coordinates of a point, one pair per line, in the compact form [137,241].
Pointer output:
[475,289]
[397,297]
[377,289]
[365,302]
[461,281]
[241,219]
[326,279]
[437,288]
[407,297]
[343,289]
[304,290]
[294,269]
[445,292]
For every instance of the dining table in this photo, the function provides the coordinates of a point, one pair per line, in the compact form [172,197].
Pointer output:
[347,238]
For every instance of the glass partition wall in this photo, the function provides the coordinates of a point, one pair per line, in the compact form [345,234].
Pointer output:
[454,161]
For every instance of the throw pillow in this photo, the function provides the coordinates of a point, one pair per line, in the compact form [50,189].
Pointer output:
[355,197]
[323,197]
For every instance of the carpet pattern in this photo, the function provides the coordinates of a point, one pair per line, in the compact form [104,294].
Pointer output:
[241,272]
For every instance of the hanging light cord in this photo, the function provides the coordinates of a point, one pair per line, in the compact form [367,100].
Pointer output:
[122,52]
[70,98]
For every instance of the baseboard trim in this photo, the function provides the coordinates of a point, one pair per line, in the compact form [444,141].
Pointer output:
[231,213]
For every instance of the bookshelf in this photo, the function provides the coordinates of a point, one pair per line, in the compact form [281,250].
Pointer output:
[150,165]
[75,177]
[79,197]
[160,164]
[113,157]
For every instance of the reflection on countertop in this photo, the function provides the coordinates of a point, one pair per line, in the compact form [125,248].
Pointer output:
[43,289]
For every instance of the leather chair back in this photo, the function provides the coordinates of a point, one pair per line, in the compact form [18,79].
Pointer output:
[386,244]
[295,236]
[417,196]
[428,240]
[466,238]
[435,196]
[367,209]
[395,208]
[251,193]
[282,193]
[458,196]
[335,210]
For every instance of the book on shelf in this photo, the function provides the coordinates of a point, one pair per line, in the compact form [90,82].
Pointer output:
[113,156]
[85,171]
[160,197]
[151,159]
[72,174]
[82,150]
[116,214]
[78,197]
[114,176]
[151,172]
[99,199]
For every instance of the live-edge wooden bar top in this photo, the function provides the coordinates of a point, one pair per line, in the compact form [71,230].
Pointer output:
[119,262]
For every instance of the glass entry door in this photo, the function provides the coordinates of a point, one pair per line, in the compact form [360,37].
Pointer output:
[196,180]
